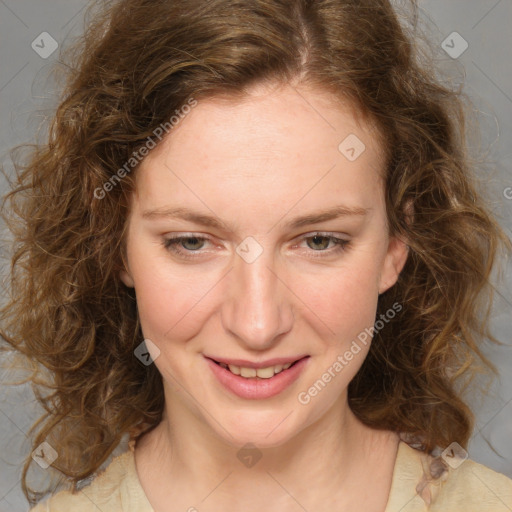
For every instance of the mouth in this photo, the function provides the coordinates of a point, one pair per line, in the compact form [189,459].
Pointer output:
[257,381]
[263,372]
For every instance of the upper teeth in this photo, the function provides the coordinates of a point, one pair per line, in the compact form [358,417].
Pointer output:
[262,373]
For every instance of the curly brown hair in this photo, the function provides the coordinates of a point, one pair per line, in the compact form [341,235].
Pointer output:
[76,324]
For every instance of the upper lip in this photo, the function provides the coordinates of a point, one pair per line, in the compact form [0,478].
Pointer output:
[260,364]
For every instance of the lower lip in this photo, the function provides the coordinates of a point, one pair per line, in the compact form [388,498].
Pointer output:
[256,388]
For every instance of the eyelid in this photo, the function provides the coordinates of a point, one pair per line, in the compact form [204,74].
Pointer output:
[180,236]
[171,244]
[201,236]
[327,234]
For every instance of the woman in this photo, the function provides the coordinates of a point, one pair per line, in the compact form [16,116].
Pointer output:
[253,243]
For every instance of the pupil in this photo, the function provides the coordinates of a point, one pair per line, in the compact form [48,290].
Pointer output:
[315,240]
[187,240]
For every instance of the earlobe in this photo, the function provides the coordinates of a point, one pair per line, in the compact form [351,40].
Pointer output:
[124,274]
[126,278]
[394,262]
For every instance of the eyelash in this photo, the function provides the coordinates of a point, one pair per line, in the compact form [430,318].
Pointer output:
[171,244]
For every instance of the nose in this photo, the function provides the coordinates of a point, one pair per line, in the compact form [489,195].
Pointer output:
[258,307]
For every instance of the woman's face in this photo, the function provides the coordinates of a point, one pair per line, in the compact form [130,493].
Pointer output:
[285,249]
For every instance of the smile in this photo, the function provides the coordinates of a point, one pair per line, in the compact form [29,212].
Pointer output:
[261,373]
[257,383]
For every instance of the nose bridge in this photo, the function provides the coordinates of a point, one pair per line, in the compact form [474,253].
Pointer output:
[258,311]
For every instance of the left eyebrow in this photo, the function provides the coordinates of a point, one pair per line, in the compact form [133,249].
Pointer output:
[213,222]
[328,214]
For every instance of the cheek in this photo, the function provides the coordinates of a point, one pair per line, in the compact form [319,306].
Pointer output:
[171,313]
[343,302]
[168,300]
[169,308]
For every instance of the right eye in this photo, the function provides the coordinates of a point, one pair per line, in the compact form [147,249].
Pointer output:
[178,245]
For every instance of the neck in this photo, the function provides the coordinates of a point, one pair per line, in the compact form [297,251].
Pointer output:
[332,456]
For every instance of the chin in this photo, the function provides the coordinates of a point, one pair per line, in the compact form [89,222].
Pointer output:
[268,430]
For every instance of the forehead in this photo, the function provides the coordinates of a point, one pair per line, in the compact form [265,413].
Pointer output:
[270,143]
[273,116]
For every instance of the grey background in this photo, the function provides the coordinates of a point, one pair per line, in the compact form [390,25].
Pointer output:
[26,98]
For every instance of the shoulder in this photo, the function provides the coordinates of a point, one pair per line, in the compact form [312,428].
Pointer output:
[116,488]
[423,483]
[472,485]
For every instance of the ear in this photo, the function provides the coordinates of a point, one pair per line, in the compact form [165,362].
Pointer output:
[126,278]
[394,262]
[396,255]
[125,275]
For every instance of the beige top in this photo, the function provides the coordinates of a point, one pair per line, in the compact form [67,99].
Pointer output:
[471,487]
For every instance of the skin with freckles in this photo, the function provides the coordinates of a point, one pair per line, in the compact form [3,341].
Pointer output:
[255,165]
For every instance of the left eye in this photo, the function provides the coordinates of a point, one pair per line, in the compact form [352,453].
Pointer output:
[317,238]
[182,245]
